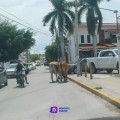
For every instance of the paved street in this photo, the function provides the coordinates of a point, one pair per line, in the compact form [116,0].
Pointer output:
[35,100]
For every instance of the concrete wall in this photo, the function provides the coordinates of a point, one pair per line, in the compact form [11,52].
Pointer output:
[72,46]
[83,31]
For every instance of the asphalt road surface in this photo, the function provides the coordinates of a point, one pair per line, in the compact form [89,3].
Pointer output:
[35,100]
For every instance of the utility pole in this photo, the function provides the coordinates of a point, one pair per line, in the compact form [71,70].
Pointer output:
[27,56]
[118,39]
[77,38]
[76,28]
[116,12]
[117,35]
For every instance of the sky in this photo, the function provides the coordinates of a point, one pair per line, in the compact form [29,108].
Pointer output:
[33,11]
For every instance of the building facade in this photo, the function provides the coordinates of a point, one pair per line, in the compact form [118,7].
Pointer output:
[106,39]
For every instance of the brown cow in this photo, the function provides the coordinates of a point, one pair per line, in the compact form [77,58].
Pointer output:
[60,69]
[63,70]
[53,69]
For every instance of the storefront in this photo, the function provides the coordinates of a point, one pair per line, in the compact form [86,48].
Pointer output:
[86,50]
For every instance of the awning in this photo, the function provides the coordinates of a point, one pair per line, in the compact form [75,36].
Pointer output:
[89,47]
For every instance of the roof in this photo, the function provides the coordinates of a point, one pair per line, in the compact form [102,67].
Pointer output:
[105,26]
[89,47]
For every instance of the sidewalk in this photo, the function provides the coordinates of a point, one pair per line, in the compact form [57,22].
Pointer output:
[103,82]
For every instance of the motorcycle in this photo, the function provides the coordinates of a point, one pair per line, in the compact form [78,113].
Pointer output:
[20,79]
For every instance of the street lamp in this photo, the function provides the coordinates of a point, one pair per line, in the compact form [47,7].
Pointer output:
[118,39]
[116,12]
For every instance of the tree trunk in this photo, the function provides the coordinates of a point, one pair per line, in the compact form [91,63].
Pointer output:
[94,38]
[58,49]
[62,44]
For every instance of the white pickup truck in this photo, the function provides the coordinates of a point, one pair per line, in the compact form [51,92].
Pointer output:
[106,60]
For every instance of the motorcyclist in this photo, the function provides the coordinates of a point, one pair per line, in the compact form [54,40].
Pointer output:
[19,68]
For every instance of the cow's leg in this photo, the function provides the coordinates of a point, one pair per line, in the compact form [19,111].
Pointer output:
[52,76]
[60,78]
[57,77]
[65,78]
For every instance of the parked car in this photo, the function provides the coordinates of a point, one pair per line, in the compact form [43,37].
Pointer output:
[33,66]
[106,60]
[30,66]
[11,72]
[3,76]
[46,63]
[72,68]
[27,68]
[37,62]
[82,63]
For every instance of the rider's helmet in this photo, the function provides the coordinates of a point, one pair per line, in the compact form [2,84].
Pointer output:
[19,61]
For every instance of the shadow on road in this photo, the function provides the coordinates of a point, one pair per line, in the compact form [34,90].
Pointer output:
[2,86]
[20,86]
[107,118]
[59,82]
[53,82]
[46,72]
[47,68]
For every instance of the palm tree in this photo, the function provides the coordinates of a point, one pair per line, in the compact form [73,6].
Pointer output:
[93,16]
[60,17]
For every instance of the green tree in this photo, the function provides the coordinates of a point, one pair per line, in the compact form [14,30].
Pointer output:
[93,16]
[51,53]
[13,41]
[34,57]
[61,17]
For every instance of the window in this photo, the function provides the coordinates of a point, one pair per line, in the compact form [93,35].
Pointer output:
[106,54]
[116,51]
[88,39]
[82,38]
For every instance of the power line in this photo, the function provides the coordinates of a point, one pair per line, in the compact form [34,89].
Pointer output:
[107,9]
[37,29]
[19,18]
[23,25]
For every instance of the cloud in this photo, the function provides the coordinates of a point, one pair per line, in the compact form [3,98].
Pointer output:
[33,11]
[9,3]
[109,16]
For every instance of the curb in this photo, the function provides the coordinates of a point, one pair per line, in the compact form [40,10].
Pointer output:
[100,93]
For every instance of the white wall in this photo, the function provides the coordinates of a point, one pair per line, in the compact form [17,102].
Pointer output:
[72,51]
[83,31]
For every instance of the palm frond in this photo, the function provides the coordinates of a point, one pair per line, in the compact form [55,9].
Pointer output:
[81,11]
[48,17]
[91,21]
[68,23]
[60,21]
[83,2]
[70,13]
[52,24]
[58,4]
[99,18]
[99,1]
[70,4]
